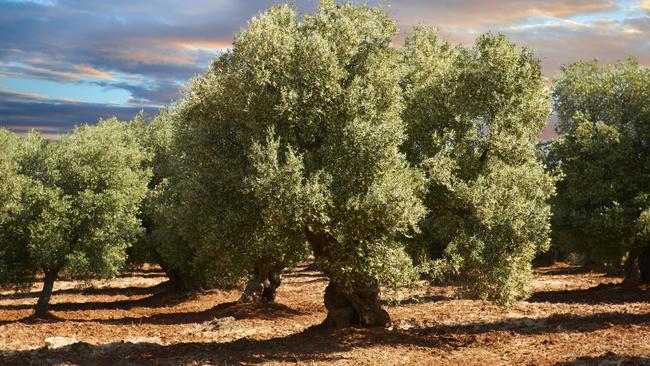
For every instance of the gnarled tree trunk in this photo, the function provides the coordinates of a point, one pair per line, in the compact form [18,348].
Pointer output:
[262,286]
[43,304]
[359,306]
[637,265]
[631,266]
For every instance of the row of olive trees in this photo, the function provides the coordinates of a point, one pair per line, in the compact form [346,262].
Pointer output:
[313,135]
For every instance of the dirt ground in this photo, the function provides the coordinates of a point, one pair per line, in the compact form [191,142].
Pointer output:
[573,318]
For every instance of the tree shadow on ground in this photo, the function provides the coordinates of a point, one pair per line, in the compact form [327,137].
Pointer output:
[318,344]
[602,294]
[264,311]
[609,358]
[161,296]
[560,323]
[105,291]
[416,300]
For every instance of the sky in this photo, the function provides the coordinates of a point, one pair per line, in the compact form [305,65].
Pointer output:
[67,62]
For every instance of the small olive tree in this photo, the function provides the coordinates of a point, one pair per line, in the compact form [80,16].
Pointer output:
[78,207]
[294,139]
[601,210]
[474,116]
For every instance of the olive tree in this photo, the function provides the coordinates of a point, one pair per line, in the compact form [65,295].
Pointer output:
[474,116]
[163,213]
[78,207]
[294,139]
[601,210]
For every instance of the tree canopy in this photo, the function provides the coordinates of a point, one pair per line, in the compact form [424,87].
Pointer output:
[474,116]
[295,134]
[602,205]
[77,211]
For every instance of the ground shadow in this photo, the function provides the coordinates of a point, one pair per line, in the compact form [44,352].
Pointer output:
[415,300]
[265,311]
[561,323]
[106,291]
[601,294]
[318,344]
[161,296]
[609,358]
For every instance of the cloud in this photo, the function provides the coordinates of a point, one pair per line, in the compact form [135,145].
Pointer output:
[91,71]
[607,41]
[151,48]
[21,112]
[645,5]
[480,13]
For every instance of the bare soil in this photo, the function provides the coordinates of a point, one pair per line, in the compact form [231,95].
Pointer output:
[573,318]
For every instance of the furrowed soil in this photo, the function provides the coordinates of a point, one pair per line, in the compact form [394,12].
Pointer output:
[574,317]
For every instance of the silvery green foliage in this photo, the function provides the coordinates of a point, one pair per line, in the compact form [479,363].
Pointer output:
[12,269]
[77,211]
[297,129]
[601,209]
[474,116]
[9,179]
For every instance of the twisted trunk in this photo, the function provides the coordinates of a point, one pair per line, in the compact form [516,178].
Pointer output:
[637,265]
[262,286]
[359,306]
[43,304]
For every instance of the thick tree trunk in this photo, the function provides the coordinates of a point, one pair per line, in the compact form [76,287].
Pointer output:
[262,286]
[644,264]
[176,280]
[43,304]
[359,307]
[631,266]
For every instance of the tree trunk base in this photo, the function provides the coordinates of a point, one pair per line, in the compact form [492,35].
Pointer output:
[41,311]
[262,287]
[361,308]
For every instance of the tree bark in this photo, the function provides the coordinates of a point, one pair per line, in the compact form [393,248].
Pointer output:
[644,264]
[262,286]
[361,307]
[43,304]
[176,279]
[631,266]
[358,307]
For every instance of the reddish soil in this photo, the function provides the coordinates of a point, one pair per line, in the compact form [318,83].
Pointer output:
[573,318]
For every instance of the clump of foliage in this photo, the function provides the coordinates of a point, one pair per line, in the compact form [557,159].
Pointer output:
[77,210]
[601,210]
[293,136]
[474,116]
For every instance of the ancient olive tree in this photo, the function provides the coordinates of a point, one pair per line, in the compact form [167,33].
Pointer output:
[601,210]
[78,207]
[474,116]
[294,136]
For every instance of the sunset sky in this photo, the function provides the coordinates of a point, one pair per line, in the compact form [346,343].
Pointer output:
[64,62]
